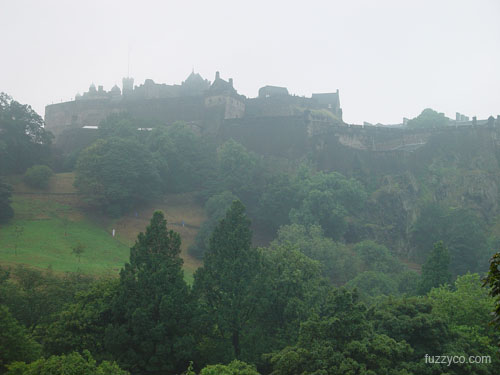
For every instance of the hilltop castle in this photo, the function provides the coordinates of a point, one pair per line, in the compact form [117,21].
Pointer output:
[196,101]
[274,123]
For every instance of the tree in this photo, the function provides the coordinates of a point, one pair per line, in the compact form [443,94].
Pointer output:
[468,304]
[121,125]
[225,284]
[427,331]
[492,281]
[237,169]
[321,208]
[82,323]
[280,195]
[70,364]
[435,271]
[410,319]
[377,257]
[34,297]
[326,200]
[291,286]
[337,261]
[215,209]
[23,138]
[15,343]
[38,176]
[461,231]
[340,340]
[116,173]
[429,118]
[234,368]
[78,250]
[6,211]
[186,157]
[152,310]
[372,283]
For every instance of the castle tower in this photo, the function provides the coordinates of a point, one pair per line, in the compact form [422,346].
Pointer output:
[127,86]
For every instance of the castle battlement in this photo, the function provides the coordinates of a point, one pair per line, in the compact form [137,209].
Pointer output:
[196,100]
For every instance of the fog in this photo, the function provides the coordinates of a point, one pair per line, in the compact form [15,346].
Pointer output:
[389,59]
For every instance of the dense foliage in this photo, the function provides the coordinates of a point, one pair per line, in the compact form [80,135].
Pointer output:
[38,176]
[189,159]
[115,174]
[429,118]
[71,364]
[23,139]
[461,232]
[15,342]
[363,275]
[492,280]
[272,307]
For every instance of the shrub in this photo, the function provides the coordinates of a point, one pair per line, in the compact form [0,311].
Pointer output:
[38,176]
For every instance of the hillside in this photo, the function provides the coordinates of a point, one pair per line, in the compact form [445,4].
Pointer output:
[48,224]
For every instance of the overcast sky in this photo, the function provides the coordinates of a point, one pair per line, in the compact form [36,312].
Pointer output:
[388,58]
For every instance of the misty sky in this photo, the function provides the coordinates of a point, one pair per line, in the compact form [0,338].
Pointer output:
[389,59]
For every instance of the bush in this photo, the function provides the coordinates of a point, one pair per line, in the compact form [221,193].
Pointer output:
[38,176]
[234,368]
[69,364]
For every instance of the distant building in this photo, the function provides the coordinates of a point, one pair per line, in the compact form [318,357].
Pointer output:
[330,101]
[272,91]
[196,101]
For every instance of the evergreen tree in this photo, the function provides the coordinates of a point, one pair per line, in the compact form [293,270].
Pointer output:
[152,309]
[225,284]
[435,271]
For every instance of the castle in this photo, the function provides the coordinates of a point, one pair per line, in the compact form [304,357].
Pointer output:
[273,123]
[196,101]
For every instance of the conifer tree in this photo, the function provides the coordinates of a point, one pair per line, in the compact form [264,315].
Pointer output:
[152,309]
[435,271]
[225,284]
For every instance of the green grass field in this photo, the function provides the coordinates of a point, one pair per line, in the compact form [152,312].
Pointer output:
[43,234]
[48,224]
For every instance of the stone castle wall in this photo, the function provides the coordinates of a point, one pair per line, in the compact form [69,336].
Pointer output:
[80,113]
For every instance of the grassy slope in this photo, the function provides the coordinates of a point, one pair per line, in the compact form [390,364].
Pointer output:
[47,224]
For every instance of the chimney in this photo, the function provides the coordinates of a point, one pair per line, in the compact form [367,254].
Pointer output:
[217,75]
[231,82]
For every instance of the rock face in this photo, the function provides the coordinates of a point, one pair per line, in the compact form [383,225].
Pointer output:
[458,167]
[455,169]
